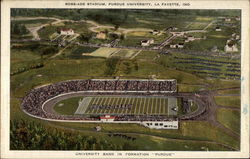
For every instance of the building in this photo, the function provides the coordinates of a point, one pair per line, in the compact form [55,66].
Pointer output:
[67,32]
[217,29]
[175,46]
[98,128]
[237,18]
[237,37]
[107,118]
[155,32]
[101,35]
[190,38]
[180,45]
[228,19]
[161,124]
[171,28]
[231,47]
[215,49]
[147,42]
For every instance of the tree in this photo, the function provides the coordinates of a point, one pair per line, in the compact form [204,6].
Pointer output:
[18,29]
[116,26]
[122,36]
[85,37]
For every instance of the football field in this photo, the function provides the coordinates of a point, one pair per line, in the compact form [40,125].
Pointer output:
[127,105]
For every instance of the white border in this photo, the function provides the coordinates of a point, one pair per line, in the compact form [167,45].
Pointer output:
[5,65]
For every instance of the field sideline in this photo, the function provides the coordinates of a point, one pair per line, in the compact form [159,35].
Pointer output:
[128,105]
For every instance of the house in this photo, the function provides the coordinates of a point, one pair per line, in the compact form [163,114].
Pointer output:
[155,32]
[171,28]
[237,18]
[147,42]
[217,29]
[98,128]
[237,37]
[174,46]
[180,45]
[67,31]
[215,49]
[190,38]
[107,118]
[101,35]
[230,47]
[171,124]
[228,19]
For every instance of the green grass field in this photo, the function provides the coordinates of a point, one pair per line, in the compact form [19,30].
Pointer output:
[232,91]
[67,107]
[102,52]
[230,101]
[230,118]
[126,53]
[139,105]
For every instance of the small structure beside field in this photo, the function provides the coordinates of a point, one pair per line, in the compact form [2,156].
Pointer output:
[147,42]
[107,118]
[101,35]
[177,46]
[66,31]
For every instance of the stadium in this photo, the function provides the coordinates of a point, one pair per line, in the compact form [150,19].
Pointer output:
[152,103]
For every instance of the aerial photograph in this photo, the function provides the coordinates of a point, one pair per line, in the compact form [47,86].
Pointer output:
[125,79]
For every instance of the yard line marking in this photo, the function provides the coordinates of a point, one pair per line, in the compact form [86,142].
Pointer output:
[139,111]
[156,102]
[168,107]
[126,112]
[109,104]
[116,103]
[91,102]
[105,104]
[126,99]
[100,102]
[112,104]
[135,105]
[152,103]
[120,103]
[164,108]
[94,103]
[147,104]
[144,101]
[159,112]
[132,102]
[139,106]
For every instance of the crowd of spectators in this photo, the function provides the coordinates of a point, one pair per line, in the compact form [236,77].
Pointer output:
[145,117]
[33,101]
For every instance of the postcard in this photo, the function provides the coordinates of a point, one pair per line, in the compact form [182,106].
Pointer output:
[124,79]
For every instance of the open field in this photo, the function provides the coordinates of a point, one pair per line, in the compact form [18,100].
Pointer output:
[233,91]
[230,101]
[203,66]
[103,52]
[230,118]
[126,53]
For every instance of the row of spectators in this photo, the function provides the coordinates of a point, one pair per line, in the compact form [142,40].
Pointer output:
[131,85]
[33,101]
[144,118]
